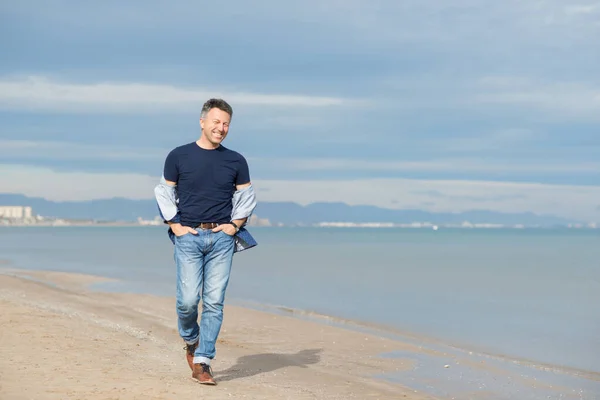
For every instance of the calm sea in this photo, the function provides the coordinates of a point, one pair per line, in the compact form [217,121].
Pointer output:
[529,294]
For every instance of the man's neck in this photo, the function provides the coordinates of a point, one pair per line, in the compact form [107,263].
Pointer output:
[205,144]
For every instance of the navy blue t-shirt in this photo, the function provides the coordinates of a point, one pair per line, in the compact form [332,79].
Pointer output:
[206,181]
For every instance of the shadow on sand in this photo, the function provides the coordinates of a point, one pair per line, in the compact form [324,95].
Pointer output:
[262,363]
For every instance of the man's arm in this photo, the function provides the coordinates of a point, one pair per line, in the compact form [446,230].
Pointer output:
[176,227]
[244,203]
[243,200]
[241,221]
[166,199]
[165,193]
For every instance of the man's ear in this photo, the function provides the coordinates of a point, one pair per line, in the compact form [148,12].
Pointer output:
[201,123]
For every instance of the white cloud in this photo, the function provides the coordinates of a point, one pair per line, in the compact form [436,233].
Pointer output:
[66,151]
[347,24]
[582,9]
[476,92]
[40,93]
[433,195]
[61,186]
[487,26]
[496,140]
[564,98]
[435,165]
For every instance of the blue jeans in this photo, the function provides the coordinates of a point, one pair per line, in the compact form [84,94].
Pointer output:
[203,264]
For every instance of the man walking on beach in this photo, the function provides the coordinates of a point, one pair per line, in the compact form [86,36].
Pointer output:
[206,197]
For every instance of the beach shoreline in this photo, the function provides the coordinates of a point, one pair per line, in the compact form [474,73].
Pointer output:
[116,340]
[61,340]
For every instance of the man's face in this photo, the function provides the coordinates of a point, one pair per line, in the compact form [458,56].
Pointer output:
[215,125]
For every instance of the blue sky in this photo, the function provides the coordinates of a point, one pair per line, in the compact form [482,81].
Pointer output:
[445,106]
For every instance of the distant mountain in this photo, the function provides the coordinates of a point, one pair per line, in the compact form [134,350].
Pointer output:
[288,213]
[294,214]
[117,209]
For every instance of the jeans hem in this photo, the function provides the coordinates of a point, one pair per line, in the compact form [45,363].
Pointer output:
[202,360]
[192,341]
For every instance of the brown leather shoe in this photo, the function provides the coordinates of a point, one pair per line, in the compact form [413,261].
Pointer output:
[203,374]
[189,354]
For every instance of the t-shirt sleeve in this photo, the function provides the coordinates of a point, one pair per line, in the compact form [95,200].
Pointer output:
[171,169]
[243,174]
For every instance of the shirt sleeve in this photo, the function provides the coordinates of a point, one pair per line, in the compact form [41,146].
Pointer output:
[243,174]
[171,169]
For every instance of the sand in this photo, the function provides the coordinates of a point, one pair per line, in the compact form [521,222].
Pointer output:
[60,340]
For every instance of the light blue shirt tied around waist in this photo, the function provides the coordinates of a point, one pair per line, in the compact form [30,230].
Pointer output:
[244,203]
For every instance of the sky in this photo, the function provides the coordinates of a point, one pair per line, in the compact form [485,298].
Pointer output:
[444,106]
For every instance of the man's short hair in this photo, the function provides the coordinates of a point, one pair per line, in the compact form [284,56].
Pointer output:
[216,103]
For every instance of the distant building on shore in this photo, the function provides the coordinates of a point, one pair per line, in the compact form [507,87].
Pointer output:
[156,221]
[15,212]
[254,220]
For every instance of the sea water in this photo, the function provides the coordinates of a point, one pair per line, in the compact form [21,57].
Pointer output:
[528,294]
